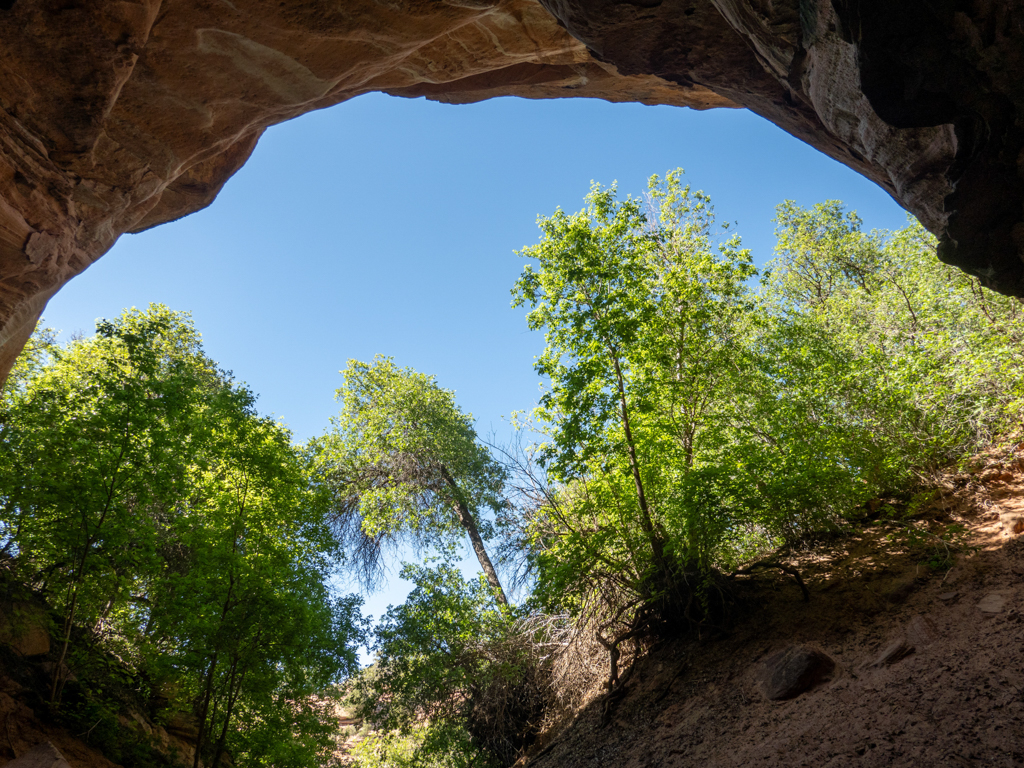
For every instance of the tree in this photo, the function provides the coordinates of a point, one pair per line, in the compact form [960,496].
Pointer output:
[456,680]
[586,297]
[93,461]
[641,319]
[403,461]
[686,427]
[933,354]
[172,525]
[249,620]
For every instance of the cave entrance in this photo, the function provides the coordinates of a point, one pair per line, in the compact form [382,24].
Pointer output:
[387,225]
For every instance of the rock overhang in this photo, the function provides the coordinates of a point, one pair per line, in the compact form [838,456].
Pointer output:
[120,116]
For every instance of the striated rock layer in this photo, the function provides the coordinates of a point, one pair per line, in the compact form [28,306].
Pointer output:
[925,97]
[121,115]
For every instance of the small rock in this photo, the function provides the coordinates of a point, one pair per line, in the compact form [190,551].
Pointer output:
[893,652]
[921,632]
[992,603]
[948,596]
[793,671]
[43,755]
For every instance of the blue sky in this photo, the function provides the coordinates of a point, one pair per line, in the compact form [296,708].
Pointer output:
[388,225]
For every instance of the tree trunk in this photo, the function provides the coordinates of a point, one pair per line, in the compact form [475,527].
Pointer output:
[468,522]
[234,690]
[205,709]
[657,545]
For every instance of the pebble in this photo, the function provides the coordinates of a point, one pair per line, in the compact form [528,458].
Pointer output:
[992,603]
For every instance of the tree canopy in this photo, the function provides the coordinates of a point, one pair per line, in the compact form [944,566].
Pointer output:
[169,523]
[694,421]
[403,461]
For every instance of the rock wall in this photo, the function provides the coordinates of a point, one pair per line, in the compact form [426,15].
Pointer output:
[925,97]
[120,115]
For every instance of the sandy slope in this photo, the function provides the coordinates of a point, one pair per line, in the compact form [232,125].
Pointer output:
[956,699]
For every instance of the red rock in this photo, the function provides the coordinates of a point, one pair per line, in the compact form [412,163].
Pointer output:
[116,117]
[44,755]
[793,671]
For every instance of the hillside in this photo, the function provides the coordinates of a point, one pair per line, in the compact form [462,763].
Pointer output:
[927,660]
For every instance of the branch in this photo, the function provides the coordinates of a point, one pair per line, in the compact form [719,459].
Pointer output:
[782,567]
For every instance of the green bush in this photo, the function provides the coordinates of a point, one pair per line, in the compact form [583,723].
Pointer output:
[693,421]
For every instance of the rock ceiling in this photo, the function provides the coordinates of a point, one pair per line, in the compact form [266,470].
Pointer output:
[120,115]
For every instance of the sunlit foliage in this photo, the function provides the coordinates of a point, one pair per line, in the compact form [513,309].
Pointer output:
[172,526]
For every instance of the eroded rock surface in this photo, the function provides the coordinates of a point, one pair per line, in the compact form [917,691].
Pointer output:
[45,755]
[119,116]
[925,98]
[793,671]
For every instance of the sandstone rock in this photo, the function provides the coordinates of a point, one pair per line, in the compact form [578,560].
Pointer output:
[998,476]
[184,725]
[992,603]
[119,117]
[116,118]
[44,755]
[34,642]
[921,632]
[893,652]
[24,628]
[793,671]
[873,84]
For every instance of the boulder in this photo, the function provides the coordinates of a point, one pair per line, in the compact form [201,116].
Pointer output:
[43,755]
[24,627]
[793,671]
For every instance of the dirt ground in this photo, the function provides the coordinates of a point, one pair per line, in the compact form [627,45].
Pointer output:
[950,694]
